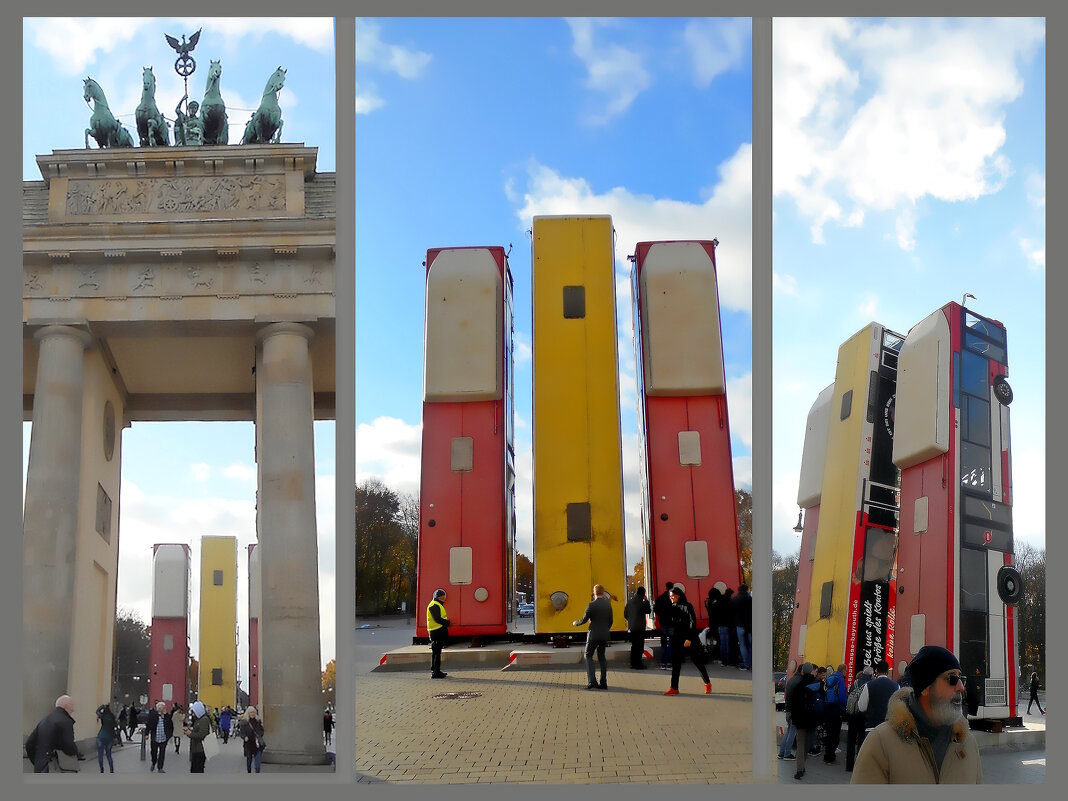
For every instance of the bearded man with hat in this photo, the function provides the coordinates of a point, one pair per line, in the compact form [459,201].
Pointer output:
[437,626]
[925,738]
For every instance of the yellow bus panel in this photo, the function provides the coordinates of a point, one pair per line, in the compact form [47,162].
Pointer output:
[578,479]
[849,434]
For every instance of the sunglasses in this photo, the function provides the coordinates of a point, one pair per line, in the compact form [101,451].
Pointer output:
[955,678]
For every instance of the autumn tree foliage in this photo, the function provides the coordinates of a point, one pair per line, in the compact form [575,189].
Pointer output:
[1031,611]
[783,594]
[387,530]
[743,502]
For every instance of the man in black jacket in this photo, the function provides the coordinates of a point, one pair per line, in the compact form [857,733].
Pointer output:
[742,612]
[662,610]
[801,714]
[54,733]
[599,616]
[875,698]
[160,729]
[635,612]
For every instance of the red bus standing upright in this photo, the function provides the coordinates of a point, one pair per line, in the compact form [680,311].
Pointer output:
[956,583]
[689,517]
[809,495]
[467,477]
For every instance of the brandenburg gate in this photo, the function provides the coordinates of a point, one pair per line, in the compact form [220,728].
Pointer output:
[173,283]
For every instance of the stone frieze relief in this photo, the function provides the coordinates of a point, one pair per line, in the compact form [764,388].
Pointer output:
[204,194]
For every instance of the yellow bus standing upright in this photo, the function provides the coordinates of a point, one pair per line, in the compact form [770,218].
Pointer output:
[578,476]
[850,615]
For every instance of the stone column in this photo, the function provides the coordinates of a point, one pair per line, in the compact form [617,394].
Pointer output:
[50,520]
[289,666]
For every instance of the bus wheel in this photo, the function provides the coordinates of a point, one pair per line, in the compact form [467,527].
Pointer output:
[1002,390]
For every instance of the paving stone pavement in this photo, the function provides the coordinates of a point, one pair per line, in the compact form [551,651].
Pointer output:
[543,726]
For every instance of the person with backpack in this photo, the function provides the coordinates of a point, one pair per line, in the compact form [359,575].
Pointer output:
[635,611]
[834,709]
[806,709]
[854,717]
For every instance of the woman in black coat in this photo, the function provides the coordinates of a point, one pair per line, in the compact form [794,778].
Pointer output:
[684,641]
[251,732]
[1034,695]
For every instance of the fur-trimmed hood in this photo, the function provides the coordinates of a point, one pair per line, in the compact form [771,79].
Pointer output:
[901,719]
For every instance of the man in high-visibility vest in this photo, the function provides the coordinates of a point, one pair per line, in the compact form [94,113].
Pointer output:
[437,624]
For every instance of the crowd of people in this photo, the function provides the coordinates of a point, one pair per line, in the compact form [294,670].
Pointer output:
[912,732]
[159,727]
[728,637]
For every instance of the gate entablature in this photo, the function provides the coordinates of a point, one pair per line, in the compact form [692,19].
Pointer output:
[173,259]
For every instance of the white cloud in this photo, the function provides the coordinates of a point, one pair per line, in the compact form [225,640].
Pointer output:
[715,46]
[388,448]
[373,51]
[75,44]
[1035,253]
[726,214]
[367,98]
[740,409]
[611,70]
[523,351]
[868,309]
[242,471]
[879,115]
[784,283]
[1036,190]
[200,471]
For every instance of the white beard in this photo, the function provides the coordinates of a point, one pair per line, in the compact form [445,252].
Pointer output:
[947,712]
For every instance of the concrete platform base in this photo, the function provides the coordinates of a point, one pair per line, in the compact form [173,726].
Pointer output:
[505,656]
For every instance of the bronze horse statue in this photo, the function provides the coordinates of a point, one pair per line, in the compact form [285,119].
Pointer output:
[103,127]
[152,128]
[213,110]
[265,125]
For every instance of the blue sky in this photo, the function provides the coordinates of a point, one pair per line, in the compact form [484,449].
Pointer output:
[468,128]
[908,169]
[184,480]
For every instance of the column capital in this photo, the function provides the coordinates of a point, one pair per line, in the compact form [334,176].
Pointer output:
[274,329]
[79,334]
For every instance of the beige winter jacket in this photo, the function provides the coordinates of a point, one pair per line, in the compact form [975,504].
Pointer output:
[895,753]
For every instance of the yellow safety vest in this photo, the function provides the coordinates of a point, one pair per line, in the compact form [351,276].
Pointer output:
[431,624]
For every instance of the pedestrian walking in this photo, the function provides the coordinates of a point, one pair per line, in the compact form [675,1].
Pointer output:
[177,726]
[132,722]
[105,737]
[804,713]
[1034,695]
[742,614]
[854,716]
[160,730]
[599,615]
[225,719]
[328,725]
[925,738]
[786,744]
[54,733]
[684,641]
[124,716]
[662,616]
[636,611]
[250,730]
[198,727]
[437,626]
